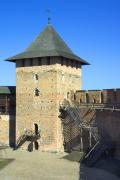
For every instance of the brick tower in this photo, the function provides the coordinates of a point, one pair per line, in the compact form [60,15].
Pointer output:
[45,72]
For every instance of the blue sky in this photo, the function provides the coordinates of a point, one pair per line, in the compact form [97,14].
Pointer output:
[91,28]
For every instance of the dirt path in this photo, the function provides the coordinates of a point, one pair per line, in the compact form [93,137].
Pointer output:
[38,165]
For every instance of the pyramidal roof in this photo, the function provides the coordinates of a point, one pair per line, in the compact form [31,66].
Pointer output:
[48,43]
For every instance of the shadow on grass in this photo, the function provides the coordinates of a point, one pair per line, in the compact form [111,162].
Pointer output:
[4,162]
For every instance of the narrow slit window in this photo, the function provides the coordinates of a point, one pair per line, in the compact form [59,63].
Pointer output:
[102,98]
[37,92]
[36,77]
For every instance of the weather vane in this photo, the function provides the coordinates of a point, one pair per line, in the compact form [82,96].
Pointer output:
[49,16]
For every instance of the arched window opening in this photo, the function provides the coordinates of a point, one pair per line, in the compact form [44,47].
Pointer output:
[87,98]
[80,100]
[102,98]
[74,97]
[36,129]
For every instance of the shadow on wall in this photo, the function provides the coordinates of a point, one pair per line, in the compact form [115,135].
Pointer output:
[107,165]
[12,120]
[71,134]
[76,138]
[103,108]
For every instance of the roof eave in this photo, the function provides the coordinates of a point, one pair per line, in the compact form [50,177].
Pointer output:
[10,60]
[83,62]
[51,53]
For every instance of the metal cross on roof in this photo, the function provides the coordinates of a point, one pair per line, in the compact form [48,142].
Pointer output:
[49,16]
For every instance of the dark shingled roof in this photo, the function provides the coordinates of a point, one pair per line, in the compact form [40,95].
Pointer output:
[7,89]
[48,43]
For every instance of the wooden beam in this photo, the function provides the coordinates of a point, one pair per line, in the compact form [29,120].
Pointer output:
[81,140]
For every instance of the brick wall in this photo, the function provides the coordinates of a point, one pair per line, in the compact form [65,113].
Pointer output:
[54,81]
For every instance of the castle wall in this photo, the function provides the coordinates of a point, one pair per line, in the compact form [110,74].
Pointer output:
[96,109]
[7,129]
[4,129]
[106,96]
[7,119]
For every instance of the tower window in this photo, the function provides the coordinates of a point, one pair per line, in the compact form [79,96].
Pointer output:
[48,60]
[37,92]
[31,62]
[23,62]
[77,64]
[67,62]
[62,61]
[39,62]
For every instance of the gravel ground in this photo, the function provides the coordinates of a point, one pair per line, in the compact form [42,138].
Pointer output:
[37,165]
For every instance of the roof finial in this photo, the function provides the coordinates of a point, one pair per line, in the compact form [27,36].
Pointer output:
[49,16]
